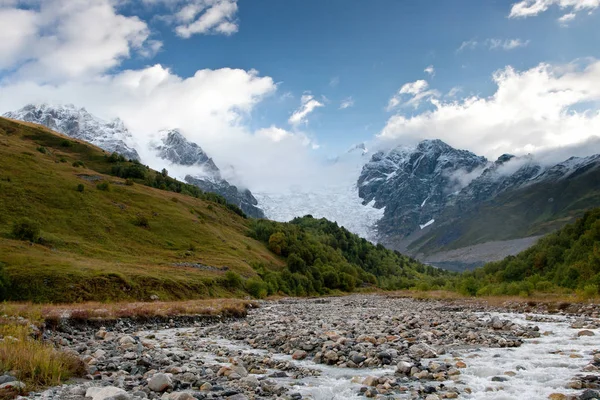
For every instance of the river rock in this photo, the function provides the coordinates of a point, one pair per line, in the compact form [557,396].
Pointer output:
[160,382]
[421,350]
[107,393]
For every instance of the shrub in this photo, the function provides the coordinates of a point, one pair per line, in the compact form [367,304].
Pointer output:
[257,288]
[232,280]
[4,283]
[66,143]
[80,187]
[78,164]
[63,160]
[141,221]
[42,149]
[174,199]
[129,182]
[115,157]
[26,229]
[590,291]
[105,186]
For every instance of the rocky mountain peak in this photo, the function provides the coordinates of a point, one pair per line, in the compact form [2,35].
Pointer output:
[178,150]
[111,136]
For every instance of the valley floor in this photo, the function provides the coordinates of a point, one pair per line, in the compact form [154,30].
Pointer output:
[339,348]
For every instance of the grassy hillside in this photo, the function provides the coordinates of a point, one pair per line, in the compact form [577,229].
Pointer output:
[107,238]
[568,258]
[77,224]
[531,211]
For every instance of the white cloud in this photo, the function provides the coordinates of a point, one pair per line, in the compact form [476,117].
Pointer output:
[347,103]
[493,44]
[60,39]
[454,91]
[467,45]
[508,44]
[207,17]
[415,92]
[542,108]
[86,39]
[565,19]
[531,8]
[430,70]
[308,105]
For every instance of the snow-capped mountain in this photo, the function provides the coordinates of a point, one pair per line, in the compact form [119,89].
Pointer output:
[176,149]
[413,183]
[77,123]
[438,198]
[113,136]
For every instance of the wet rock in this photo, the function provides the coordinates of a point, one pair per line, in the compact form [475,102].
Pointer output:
[585,333]
[299,355]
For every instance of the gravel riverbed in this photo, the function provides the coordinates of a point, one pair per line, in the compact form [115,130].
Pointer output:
[360,346]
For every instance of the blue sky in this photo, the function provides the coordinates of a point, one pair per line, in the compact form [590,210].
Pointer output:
[354,48]
[261,83]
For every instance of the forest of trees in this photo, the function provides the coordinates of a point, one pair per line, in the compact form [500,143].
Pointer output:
[321,257]
[568,259]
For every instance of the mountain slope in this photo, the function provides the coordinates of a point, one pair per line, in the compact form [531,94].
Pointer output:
[455,210]
[568,258]
[79,224]
[176,149]
[127,242]
[113,136]
[413,184]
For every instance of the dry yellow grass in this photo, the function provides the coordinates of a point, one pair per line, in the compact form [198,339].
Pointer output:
[108,311]
[33,362]
[541,298]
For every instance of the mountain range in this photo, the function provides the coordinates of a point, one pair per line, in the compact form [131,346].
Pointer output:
[445,206]
[457,210]
[113,136]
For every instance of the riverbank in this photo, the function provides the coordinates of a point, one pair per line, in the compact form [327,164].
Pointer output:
[336,348]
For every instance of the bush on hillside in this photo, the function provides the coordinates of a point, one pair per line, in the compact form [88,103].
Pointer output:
[141,221]
[80,187]
[4,282]
[104,186]
[26,229]
[257,288]
[232,280]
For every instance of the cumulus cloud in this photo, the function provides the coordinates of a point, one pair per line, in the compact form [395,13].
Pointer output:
[412,94]
[545,107]
[347,103]
[86,39]
[58,39]
[531,8]
[430,70]
[493,44]
[307,105]
[565,19]
[207,17]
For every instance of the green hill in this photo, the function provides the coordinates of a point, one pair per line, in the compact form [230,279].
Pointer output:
[568,258]
[106,238]
[77,224]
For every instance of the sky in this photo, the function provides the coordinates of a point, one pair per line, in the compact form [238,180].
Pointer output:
[273,87]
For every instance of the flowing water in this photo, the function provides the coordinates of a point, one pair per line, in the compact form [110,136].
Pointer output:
[534,370]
